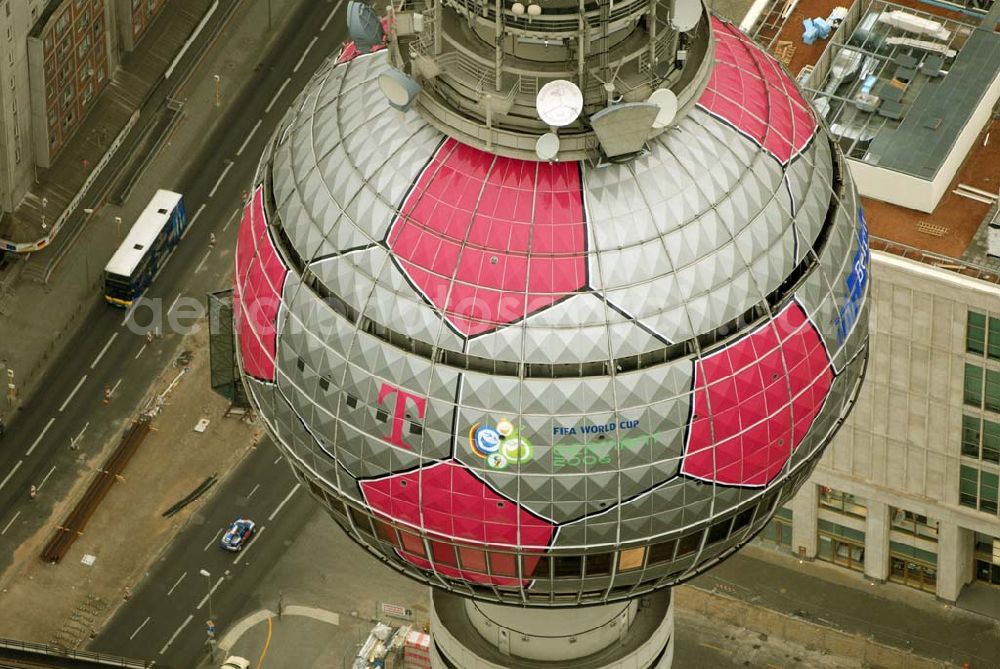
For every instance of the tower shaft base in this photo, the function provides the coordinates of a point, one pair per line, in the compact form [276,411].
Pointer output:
[475,635]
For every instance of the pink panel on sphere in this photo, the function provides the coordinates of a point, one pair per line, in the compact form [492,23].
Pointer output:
[260,276]
[755,401]
[448,501]
[749,89]
[489,240]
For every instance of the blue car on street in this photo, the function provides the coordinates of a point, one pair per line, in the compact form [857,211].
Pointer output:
[238,534]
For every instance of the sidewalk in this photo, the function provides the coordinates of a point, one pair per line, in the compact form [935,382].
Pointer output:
[43,316]
[840,599]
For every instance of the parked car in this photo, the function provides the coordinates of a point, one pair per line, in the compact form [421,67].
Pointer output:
[238,534]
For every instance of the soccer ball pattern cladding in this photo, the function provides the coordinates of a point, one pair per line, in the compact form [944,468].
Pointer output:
[553,382]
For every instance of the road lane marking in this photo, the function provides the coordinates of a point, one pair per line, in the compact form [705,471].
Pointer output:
[203,260]
[283,502]
[140,352]
[173,304]
[16,467]
[250,545]
[115,387]
[76,440]
[104,350]
[46,478]
[7,526]
[267,644]
[226,226]
[191,222]
[276,460]
[302,58]
[330,17]
[39,439]
[210,593]
[209,544]
[246,141]
[225,171]
[235,632]
[171,590]
[253,491]
[139,628]
[277,95]
[179,630]
[78,384]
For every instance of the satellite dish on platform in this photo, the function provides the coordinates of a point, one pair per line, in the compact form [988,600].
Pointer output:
[547,146]
[559,103]
[665,99]
[364,26]
[399,89]
[686,14]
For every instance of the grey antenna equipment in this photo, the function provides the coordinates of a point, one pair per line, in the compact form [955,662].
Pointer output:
[364,26]
[498,76]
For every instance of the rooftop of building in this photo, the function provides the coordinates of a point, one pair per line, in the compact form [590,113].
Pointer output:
[933,110]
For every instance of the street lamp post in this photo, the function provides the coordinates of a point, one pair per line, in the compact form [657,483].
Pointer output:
[210,624]
[118,228]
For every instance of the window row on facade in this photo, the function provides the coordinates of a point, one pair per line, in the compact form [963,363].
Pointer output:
[982,335]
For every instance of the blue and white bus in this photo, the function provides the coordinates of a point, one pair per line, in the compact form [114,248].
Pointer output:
[146,248]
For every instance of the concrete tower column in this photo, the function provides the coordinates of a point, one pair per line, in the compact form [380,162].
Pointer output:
[877,541]
[954,564]
[479,635]
[804,515]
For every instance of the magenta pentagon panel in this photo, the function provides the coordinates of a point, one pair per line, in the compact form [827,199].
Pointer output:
[458,511]
[754,401]
[749,90]
[260,276]
[489,240]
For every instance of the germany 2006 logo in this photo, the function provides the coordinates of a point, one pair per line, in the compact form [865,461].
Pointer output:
[499,445]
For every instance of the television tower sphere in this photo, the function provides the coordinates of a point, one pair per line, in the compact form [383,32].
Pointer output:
[552,382]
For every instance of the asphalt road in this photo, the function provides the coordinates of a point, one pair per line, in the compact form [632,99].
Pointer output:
[166,617]
[105,352]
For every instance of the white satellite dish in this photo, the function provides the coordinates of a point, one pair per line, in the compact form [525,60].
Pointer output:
[559,103]
[547,146]
[686,14]
[399,89]
[665,99]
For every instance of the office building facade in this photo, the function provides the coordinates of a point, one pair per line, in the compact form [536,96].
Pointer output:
[908,490]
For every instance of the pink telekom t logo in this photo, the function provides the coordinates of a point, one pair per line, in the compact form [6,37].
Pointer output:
[399,411]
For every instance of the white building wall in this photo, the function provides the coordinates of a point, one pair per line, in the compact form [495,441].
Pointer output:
[901,446]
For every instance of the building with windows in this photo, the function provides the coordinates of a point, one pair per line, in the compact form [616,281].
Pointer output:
[16,162]
[134,19]
[908,490]
[68,66]
[55,59]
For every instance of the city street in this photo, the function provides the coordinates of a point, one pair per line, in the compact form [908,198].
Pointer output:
[110,352]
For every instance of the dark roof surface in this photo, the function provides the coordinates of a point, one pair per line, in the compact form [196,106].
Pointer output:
[928,132]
